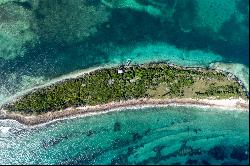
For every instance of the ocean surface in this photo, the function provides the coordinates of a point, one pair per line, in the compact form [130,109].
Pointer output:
[45,39]
[167,135]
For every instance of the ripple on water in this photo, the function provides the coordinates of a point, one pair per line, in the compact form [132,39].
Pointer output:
[150,136]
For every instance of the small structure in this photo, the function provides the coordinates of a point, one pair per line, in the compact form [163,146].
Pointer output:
[171,65]
[120,71]
[128,62]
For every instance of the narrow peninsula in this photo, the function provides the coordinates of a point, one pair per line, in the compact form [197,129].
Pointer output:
[124,86]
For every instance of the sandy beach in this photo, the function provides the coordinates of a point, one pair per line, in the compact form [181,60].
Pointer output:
[229,104]
[82,72]
[74,74]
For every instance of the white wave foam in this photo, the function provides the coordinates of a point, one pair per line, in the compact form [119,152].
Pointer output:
[4,130]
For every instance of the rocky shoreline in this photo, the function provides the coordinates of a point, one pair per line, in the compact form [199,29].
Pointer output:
[69,111]
[81,73]
[238,104]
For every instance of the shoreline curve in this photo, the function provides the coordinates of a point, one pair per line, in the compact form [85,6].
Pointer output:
[73,112]
[82,72]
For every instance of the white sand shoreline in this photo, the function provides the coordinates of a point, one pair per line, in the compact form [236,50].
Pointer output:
[82,72]
[69,113]
[226,104]
[138,108]
[58,79]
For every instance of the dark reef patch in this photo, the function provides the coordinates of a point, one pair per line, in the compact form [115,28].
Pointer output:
[84,158]
[121,159]
[218,152]
[117,126]
[136,137]
[27,5]
[240,153]
[117,143]
[191,162]
[56,52]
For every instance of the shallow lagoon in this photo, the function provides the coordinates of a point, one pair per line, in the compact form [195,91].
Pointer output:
[179,35]
[168,135]
[63,39]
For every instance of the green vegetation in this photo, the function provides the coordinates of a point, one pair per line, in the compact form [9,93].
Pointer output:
[145,81]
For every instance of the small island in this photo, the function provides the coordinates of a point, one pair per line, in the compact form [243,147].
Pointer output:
[124,86]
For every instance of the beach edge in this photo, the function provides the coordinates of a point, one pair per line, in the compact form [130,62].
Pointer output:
[71,112]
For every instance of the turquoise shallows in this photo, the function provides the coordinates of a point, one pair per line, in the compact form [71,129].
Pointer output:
[43,39]
[167,135]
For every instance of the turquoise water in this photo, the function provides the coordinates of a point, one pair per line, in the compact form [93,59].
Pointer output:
[44,39]
[170,135]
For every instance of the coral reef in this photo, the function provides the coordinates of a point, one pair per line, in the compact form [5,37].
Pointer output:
[16,29]
[28,23]
[68,22]
[132,4]
[240,70]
